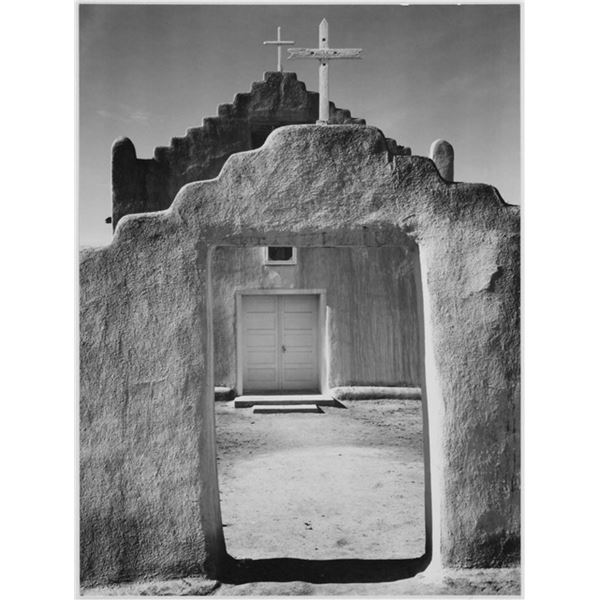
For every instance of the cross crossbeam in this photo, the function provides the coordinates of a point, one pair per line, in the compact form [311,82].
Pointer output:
[324,54]
[279,42]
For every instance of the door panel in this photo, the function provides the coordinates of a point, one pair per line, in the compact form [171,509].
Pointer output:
[261,358]
[299,304]
[280,343]
[299,339]
[260,340]
[261,322]
[299,321]
[262,379]
[258,304]
[260,343]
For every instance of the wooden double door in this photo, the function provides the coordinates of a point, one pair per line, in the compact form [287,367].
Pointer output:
[280,343]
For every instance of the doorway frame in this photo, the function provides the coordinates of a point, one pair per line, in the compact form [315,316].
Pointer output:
[322,347]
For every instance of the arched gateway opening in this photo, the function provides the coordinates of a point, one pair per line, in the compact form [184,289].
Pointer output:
[149,498]
[313,499]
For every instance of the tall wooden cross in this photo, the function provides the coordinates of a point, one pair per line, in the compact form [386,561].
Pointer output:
[279,42]
[324,54]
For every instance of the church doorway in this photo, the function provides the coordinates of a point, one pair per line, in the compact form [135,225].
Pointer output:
[279,343]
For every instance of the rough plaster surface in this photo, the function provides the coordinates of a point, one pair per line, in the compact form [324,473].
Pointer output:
[149,498]
[147,475]
[373,321]
[145,185]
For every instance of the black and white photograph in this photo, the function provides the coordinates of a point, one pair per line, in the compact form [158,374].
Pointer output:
[299,299]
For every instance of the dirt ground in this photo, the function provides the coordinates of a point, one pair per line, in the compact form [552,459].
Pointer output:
[300,491]
[465,582]
[344,484]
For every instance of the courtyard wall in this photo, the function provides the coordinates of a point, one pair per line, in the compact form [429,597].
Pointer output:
[149,503]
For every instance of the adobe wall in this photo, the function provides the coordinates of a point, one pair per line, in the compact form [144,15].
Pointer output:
[149,497]
[146,185]
[147,466]
[372,308]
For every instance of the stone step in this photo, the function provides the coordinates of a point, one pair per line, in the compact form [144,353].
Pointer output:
[285,400]
[286,408]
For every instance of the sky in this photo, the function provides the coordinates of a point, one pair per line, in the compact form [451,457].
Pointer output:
[150,72]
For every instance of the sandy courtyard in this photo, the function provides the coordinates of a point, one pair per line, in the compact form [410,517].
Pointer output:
[300,490]
[347,483]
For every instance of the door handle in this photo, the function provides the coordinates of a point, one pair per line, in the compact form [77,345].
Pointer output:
[283,348]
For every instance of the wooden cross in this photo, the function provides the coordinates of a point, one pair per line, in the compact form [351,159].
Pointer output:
[324,54]
[278,42]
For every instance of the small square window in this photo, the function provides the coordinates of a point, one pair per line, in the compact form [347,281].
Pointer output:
[280,255]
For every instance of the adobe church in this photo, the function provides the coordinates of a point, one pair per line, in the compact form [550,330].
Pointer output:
[359,329]
[276,251]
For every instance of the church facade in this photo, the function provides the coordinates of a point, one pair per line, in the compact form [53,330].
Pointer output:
[285,319]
